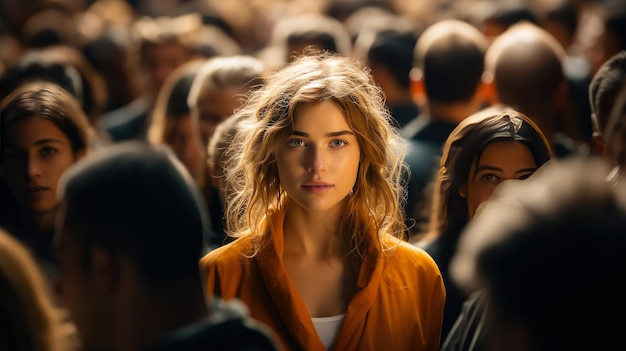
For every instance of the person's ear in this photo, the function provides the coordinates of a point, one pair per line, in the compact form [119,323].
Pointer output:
[105,270]
[418,90]
[487,87]
[463,191]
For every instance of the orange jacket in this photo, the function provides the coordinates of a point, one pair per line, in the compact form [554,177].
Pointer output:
[398,305]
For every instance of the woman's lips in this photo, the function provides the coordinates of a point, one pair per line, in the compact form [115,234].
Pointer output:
[36,189]
[317,188]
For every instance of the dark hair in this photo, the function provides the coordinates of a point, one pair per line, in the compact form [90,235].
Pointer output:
[53,72]
[463,147]
[604,88]
[50,102]
[565,13]
[451,55]
[137,201]
[394,50]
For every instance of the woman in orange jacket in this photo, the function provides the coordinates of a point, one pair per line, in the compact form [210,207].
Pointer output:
[316,207]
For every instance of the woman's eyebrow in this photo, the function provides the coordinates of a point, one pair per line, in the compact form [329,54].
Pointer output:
[330,134]
[47,140]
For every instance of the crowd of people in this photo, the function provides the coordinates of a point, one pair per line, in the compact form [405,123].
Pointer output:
[312,175]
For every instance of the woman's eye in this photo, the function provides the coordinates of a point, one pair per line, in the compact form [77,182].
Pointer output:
[338,143]
[48,151]
[524,176]
[491,178]
[296,143]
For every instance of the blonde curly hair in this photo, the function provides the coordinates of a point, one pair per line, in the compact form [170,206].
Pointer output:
[376,205]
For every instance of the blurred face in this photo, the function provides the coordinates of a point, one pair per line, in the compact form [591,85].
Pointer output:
[159,61]
[214,107]
[36,155]
[77,290]
[318,164]
[185,141]
[499,161]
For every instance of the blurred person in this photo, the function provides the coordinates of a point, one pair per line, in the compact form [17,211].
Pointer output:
[217,163]
[171,122]
[164,44]
[524,66]
[484,150]
[612,38]
[43,131]
[493,18]
[219,89]
[28,319]
[129,235]
[524,250]
[317,213]
[292,35]
[388,52]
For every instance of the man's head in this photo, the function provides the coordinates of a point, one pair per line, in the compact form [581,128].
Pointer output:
[131,220]
[449,62]
[525,63]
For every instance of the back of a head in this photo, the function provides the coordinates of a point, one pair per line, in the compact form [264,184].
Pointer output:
[393,49]
[450,55]
[137,201]
[526,65]
[604,88]
[550,250]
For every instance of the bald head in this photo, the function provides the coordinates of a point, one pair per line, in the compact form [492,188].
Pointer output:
[526,66]
[450,56]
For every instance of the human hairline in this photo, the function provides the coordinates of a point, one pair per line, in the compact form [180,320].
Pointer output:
[50,102]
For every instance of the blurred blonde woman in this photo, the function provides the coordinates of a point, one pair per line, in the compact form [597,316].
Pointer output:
[28,319]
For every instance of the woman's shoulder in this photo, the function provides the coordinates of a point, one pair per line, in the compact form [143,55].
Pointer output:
[237,250]
[408,255]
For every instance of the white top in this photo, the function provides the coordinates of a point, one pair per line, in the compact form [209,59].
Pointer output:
[327,328]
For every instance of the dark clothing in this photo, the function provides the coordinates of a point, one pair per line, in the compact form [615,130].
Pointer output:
[442,249]
[403,114]
[435,131]
[227,328]
[468,332]
[426,138]
[423,161]
[129,122]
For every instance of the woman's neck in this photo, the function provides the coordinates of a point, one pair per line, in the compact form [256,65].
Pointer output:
[314,234]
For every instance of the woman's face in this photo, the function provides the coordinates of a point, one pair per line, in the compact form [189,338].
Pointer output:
[185,142]
[36,154]
[319,162]
[499,161]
